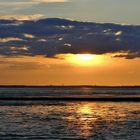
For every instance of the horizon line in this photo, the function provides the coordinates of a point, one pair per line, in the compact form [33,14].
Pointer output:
[69,85]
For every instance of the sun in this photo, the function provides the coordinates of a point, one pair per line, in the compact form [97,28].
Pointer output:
[85,57]
[81,59]
[84,60]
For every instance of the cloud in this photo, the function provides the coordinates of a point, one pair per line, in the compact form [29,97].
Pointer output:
[118,33]
[8,39]
[28,35]
[9,3]
[129,55]
[22,17]
[49,1]
[22,6]
[49,37]
[31,2]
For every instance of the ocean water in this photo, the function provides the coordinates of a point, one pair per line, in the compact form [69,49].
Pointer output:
[69,120]
[69,92]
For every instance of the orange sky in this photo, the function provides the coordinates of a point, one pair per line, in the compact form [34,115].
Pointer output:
[69,26]
[69,70]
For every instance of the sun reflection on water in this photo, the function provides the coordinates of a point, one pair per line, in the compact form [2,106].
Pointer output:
[82,120]
[89,117]
[85,109]
[86,119]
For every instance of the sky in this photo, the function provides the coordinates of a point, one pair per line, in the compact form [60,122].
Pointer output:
[69,50]
[114,11]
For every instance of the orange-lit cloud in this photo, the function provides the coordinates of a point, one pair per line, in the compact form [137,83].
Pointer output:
[22,17]
[8,39]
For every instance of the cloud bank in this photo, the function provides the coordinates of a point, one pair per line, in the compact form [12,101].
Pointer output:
[22,17]
[46,1]
[52,36]
[26,2]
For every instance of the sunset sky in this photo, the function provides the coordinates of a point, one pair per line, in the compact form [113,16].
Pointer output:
[68,42]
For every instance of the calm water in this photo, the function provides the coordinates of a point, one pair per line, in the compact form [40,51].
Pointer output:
[67,91]
[63,120]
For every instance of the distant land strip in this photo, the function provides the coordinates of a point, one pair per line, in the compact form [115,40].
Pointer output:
[116,99]
[65,86]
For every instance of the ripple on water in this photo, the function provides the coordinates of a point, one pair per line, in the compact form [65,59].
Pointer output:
[71,120]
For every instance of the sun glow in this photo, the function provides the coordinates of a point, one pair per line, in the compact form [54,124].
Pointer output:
[84,59]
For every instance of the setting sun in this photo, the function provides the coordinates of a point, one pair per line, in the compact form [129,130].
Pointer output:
[84,59]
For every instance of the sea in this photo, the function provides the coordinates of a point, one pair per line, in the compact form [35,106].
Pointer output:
[57,119]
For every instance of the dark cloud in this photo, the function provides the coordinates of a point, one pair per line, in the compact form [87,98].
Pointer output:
[53,36]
